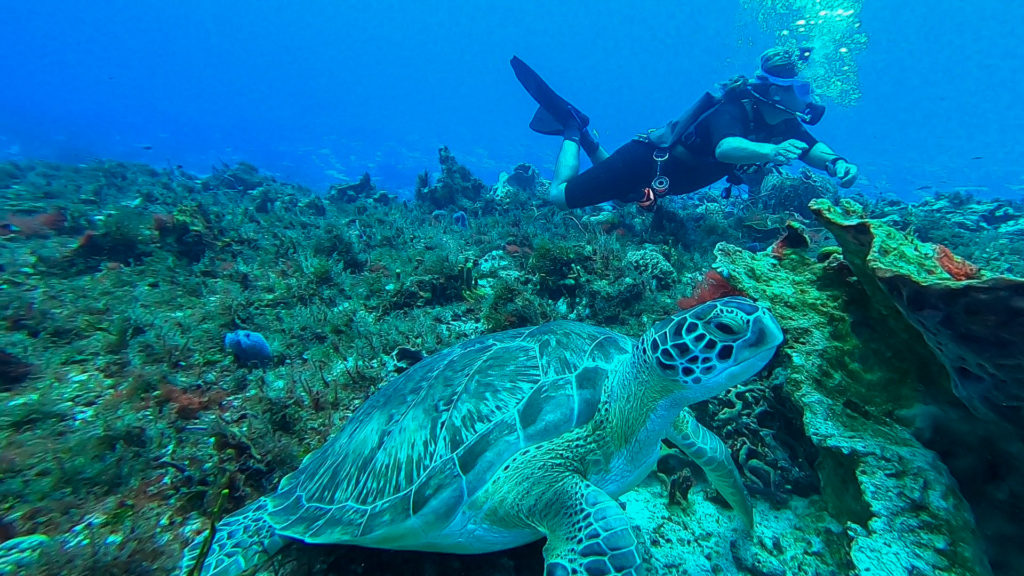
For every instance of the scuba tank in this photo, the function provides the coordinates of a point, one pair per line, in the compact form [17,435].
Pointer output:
[683,128]
[675,130]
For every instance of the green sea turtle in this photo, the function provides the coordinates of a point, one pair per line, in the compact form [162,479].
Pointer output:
[511,437]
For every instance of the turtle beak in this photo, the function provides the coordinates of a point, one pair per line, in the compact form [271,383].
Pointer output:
[765,333]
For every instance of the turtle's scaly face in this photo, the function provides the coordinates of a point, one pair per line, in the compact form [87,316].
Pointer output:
[714,346]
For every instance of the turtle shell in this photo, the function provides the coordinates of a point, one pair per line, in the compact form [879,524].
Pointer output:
[433,437]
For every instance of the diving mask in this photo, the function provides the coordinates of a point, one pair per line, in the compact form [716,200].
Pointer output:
[810,112]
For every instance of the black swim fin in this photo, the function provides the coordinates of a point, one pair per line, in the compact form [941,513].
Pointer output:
[545,123]
[555,116]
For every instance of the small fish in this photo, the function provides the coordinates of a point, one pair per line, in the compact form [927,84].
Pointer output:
[978,158]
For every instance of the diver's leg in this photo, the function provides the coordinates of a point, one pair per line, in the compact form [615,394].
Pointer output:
[557,117]
[587,139]
[619,175]
[567,165]
[598,154]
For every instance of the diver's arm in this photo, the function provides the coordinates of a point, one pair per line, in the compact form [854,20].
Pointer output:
[820,156]
[824,158]
[739,150]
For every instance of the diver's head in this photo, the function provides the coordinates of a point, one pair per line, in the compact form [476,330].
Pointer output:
[785,63]
[778,83]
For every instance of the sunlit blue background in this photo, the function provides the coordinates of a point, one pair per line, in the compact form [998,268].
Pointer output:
[321,90]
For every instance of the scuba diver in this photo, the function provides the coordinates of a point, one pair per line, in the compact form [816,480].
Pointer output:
[753,124]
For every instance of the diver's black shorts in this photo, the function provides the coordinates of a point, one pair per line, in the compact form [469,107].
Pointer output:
[624,175]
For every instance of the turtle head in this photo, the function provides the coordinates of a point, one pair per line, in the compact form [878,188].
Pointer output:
[713,346]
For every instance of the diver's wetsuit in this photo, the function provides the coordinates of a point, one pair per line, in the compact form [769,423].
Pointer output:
[691,164]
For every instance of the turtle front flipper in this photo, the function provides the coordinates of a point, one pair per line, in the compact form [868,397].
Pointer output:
[712,455]
[589,534]
[242,540]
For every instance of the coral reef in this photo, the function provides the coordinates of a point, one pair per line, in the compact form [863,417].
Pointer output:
[123,417]
[846,371]
[712,286]
[363,189]
[972,320]
[456,187]
[521,187]
[989,233]
[972,327]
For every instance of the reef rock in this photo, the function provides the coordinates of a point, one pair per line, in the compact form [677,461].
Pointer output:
[456,187]
[847,368]
[974,322]
[353,192]
[520,187]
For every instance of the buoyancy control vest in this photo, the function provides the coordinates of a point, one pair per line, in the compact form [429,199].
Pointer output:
[677,130]
[683,130]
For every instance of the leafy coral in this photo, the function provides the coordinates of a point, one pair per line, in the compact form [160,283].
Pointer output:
[848,368]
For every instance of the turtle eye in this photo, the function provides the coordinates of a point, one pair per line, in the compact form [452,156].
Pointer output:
[725,328]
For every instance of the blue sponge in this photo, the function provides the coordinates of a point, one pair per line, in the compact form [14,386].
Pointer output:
[248,347]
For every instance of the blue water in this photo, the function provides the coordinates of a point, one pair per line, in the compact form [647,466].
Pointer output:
[318,91]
